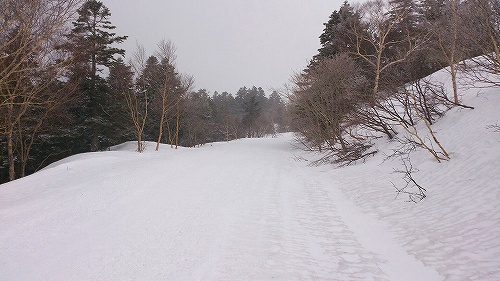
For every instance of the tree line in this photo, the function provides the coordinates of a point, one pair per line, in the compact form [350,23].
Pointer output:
[367,80]
[65,88]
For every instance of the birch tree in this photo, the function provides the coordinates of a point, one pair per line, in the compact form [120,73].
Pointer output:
[166,54]
[137,97]
[373,43]
[448,30]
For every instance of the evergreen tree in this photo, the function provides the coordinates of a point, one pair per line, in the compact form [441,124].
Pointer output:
[120,81]
[226,116]
[91,41]
[432,10]
[162,85]
[276,107]
[336,36]
[198,118]
[408,30]
[252,106]
[149,82]
[406,17]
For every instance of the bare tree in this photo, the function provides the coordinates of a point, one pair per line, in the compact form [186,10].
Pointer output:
[448,30]
[372,39]
[419,101]
[137,97]
[166,54]
[30,32]
[324,104]
[412,188]
[47,110]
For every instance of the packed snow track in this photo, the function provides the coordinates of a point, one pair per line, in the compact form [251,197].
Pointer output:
[244,210]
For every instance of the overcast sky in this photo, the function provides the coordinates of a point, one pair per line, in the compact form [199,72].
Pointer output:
[228,44]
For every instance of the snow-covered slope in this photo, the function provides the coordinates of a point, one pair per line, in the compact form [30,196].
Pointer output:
[253,209]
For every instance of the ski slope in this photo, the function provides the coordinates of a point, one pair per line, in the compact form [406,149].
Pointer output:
[253,209]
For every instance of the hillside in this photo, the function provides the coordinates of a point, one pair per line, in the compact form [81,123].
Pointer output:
[253,209]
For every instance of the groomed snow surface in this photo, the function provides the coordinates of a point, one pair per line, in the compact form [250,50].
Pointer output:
[253,209]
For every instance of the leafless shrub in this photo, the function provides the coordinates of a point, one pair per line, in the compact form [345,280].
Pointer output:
[419,102]
[412,188]
[323,102]
[344,156]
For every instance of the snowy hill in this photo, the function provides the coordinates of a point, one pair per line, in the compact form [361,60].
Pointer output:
[253,209]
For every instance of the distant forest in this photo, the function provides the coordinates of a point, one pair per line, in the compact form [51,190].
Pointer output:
[65,87]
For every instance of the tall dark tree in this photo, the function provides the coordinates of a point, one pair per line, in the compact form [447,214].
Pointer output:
[226,116]
[406,16]
[91,41]
[198,118]
[336,37]
[120,81]
[252,102]
[161,82]
[149,83]
[432,10]
[409,29]
[275,113]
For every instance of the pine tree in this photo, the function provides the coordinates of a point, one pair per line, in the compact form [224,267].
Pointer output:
[409,29]
[91,41]
[252,107]
[120,81]
[198,118]
[336,37]
[432,10]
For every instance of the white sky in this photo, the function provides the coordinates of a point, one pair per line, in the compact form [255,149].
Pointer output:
[228,44]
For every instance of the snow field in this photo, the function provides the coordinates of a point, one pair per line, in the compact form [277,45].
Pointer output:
[250,210]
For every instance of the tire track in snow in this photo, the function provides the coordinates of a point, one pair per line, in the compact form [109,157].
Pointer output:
[291,227]
[288,229]
[329,235]
[375,236]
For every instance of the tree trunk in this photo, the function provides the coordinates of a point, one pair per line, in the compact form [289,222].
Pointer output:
[23,152]
[94,143]
[169,136]
[177,125]
[227,130]
[10,145]
[377,75]
[10,153]
[160,132]
[139,144]
[453,73]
